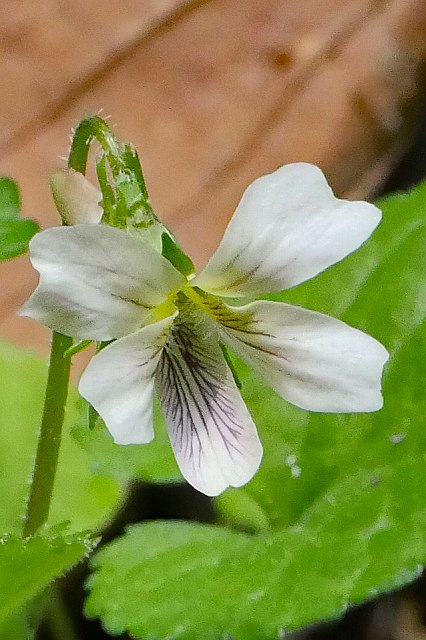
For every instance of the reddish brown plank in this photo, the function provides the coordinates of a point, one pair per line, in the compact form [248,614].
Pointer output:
[48,48]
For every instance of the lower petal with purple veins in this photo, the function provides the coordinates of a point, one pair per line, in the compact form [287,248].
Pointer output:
[213,436]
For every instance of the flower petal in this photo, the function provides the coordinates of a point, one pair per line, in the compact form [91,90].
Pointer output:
[287,228]
[76,199]
[119,382]
[212,433]
[96,282]
[313,361]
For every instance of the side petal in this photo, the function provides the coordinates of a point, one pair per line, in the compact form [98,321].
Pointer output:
[313,361]
[76,199]
[119,383]
[287,228]
[213,436]
[96,282]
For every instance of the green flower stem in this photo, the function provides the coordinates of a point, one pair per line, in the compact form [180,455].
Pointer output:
[49,441]
[89,129]
[50,436]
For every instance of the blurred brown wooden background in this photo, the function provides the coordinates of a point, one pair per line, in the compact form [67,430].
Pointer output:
[213,93]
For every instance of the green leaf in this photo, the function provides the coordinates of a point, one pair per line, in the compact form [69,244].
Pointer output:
[153,462]
[10,202]
[15,232]
[27,566]
[82,495]
[18,626]
[339,502]
[195,581]
[174,254]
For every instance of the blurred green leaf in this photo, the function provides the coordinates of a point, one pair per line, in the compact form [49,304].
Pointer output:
[18,626]
[10,202]
[344,497]
[82,496]
[15,232]
[153,462]
[27,566]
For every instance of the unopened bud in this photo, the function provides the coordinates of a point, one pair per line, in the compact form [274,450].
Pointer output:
[76,199]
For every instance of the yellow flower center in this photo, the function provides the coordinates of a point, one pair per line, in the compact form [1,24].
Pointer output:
[187,296]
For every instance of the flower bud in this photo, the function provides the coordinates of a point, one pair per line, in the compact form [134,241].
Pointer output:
[76,199]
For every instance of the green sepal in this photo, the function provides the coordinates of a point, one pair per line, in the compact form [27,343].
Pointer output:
[93,416]
[231,365]
[76,348]
[174,254]
[108,198]
[103,344]
[131,160]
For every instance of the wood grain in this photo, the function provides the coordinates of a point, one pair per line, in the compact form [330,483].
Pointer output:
[50,49]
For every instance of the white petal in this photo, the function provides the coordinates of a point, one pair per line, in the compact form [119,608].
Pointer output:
[119,383]
[287,228]
[313,361]
[76,199]
[96,282]
[212,433]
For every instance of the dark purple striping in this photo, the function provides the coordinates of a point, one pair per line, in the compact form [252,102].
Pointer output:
[205,370]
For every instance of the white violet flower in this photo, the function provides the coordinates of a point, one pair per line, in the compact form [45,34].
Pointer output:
[100,283]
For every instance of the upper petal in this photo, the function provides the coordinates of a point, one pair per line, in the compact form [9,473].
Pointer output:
[314,361]
[212,433]
[96,282]
[76,199]
[287,228]
[119,382]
